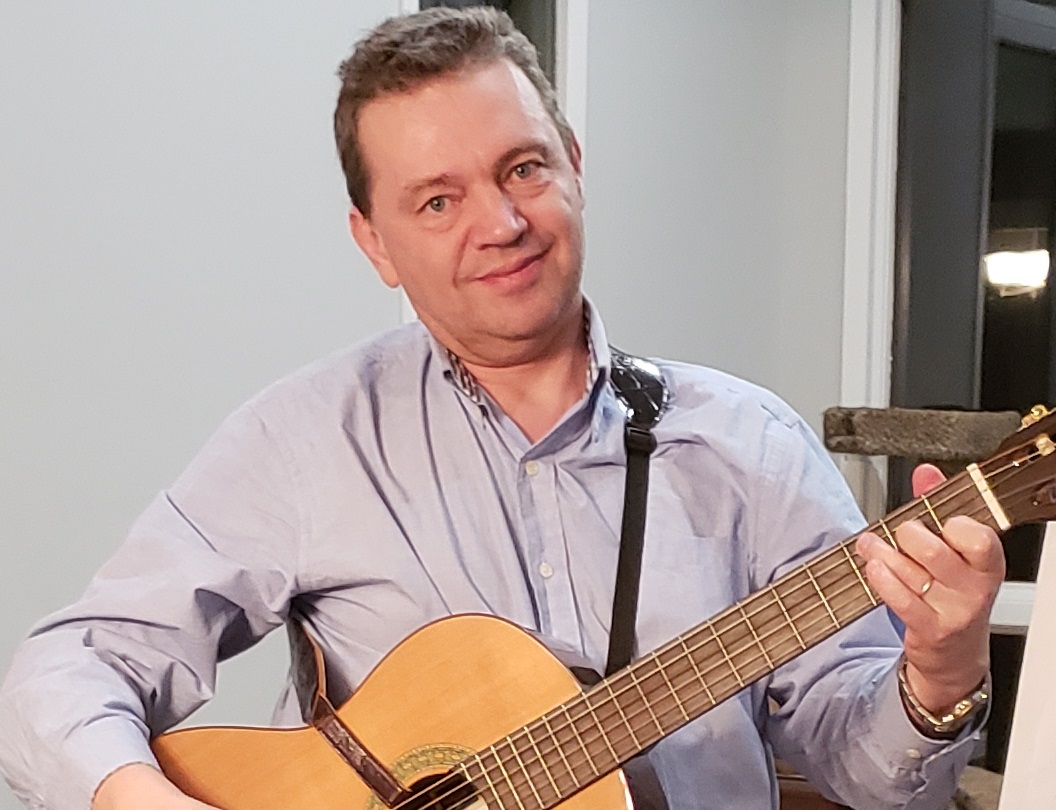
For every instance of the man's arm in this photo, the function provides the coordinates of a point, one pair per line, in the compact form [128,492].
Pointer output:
[137,786]
[207,570]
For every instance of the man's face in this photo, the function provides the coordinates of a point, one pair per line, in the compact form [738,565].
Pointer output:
[476,212]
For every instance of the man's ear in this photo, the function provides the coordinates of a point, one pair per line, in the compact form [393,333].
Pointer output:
[373,246]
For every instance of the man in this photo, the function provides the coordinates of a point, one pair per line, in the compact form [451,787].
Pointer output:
[474,463]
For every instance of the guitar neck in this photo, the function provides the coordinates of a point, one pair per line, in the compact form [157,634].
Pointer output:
[548,760]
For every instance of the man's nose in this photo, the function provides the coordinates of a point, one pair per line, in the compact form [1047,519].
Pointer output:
[499,220]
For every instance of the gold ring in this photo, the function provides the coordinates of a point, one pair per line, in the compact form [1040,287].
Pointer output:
[926,586]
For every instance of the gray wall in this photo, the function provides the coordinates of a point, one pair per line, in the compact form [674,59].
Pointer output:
[716,215]
[172,236]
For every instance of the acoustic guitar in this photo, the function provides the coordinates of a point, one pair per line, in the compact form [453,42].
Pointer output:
[472,712]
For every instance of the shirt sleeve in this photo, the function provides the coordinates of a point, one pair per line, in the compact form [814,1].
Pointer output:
[207,570]
[836,714]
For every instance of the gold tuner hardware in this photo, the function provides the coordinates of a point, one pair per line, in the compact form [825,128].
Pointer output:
[1037,413]
[1045,445]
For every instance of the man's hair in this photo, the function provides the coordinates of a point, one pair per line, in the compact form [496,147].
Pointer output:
[405,52]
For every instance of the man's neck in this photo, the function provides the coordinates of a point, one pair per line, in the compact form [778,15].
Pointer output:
[536,394]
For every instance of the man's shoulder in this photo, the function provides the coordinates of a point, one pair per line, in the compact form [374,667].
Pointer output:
[357,371]
[705,393]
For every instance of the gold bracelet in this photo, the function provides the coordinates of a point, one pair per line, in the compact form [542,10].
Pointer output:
[948,725]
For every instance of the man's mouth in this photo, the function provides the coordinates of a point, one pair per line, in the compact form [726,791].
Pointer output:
[515,269]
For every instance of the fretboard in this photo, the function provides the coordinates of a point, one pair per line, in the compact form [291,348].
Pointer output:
[545,762]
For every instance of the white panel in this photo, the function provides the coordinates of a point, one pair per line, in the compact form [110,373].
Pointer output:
[172,238]
[1028,782]
[869,233]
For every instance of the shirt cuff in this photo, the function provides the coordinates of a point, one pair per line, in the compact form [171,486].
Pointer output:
[912,759]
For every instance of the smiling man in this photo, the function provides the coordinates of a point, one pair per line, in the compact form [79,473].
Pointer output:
[474,463]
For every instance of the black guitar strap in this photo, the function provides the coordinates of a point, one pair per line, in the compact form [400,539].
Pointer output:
[643,395]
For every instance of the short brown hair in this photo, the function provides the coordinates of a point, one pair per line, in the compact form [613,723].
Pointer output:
[405,52]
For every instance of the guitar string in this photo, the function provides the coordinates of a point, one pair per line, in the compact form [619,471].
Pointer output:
[525,731]
[841,559]
[486,771]
[587,757]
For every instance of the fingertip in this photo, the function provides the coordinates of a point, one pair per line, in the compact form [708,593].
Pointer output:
[925,478]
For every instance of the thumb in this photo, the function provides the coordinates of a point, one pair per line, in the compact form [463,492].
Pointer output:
[925,478]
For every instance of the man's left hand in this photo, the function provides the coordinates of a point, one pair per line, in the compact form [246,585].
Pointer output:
[942,588]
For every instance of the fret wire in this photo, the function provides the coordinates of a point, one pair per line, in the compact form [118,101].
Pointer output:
[890,537]
[608,686]
[598,725]
[527,731]
[509,781]
[561,752]
[792,624]
[949,489]
[858,573]
[524,769]
[814,582]
[931,511]
[579,739]
[726,655]
[696,670]
[645,700]
[487,778]
[755,635]
[660,667]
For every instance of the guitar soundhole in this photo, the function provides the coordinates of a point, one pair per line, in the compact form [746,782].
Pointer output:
[442,792]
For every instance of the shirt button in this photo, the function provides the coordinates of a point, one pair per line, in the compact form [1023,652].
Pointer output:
[532,467]
[913,753]
[546,570]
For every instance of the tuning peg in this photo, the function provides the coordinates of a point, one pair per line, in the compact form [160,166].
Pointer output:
[1037,413]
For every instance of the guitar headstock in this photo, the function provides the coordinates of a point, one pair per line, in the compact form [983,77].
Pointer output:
[1022,474]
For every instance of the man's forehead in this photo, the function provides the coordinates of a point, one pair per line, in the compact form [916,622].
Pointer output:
[477,114]
[499,78]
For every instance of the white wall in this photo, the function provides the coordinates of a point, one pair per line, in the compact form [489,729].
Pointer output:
[715,159]
[172,239]
[172,236]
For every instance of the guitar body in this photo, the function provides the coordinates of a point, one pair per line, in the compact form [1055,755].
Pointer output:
[451,689]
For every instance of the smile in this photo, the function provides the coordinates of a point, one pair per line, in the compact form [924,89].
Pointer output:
[524,270]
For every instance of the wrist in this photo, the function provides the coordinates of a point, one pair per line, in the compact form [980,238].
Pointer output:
[134,785]
[952,715]
[938,694]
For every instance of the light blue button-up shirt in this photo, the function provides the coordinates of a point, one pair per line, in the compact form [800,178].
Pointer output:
[370,494]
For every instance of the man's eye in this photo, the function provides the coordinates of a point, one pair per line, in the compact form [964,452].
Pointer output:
[525,170]
[437,204]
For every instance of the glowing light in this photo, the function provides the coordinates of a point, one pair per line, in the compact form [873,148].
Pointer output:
[1017,270]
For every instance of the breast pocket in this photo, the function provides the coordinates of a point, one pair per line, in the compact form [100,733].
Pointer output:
[686,579]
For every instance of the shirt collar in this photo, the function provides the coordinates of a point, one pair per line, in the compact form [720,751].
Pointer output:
[598,367]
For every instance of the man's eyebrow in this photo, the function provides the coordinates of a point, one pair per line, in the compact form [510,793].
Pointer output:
[412,190]
[515,152]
